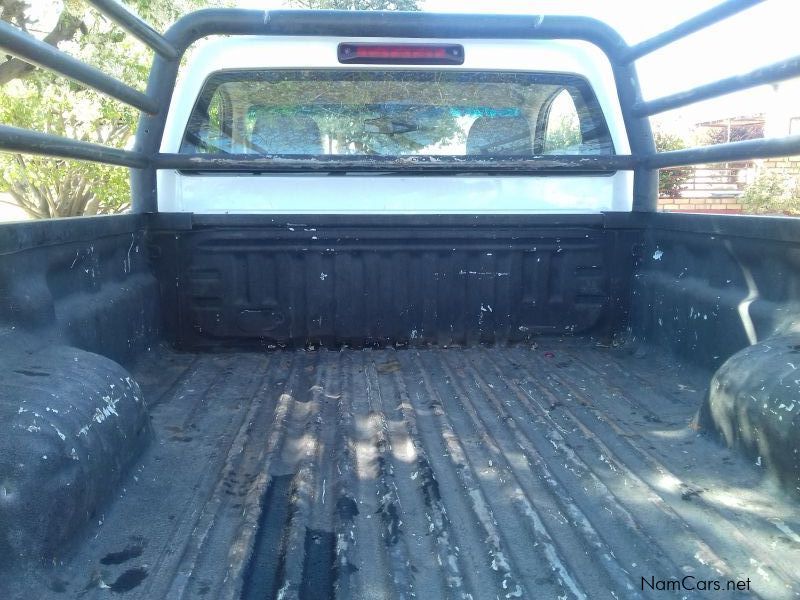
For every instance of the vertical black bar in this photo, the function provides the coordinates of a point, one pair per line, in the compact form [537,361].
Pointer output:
[640,134]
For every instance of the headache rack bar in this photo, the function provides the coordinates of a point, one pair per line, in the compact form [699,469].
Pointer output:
[26,47]
[697,23]
[169,48]
[424,164]
[731,152]
[136,27]
[25,141]
[779,71]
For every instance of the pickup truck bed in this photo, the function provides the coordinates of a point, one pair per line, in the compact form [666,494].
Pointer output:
[564,469]
[301,373]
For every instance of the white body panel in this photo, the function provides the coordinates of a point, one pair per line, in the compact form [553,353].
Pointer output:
[364,193]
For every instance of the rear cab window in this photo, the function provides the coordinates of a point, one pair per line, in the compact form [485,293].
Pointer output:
[309,133]
[396,113]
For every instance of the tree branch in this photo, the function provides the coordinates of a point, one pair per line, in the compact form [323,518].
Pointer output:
[66,29]
[25,205]
[13,11]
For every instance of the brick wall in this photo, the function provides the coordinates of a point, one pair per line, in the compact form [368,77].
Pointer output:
[714,205]
[788,166]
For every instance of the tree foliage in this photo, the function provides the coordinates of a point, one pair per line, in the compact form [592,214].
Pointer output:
[738,133]
[772,193]
[670,181]
[563,133]
[563,125]
[40,100]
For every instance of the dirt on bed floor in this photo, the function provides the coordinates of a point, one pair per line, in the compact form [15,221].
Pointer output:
[565,470]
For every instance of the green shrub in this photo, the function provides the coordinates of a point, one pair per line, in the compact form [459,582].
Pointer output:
[772,194]
[670,181]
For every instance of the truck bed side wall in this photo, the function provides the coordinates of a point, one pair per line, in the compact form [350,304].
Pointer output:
[704,286]
[85,282]
[707,286]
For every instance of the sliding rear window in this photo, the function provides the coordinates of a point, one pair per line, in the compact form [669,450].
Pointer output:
[396,113]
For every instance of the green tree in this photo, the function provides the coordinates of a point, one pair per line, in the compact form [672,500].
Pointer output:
[670,181]
[40,100]
[563,133]
[772,194]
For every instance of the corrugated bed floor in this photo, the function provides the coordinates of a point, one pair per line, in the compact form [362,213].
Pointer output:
[562,471]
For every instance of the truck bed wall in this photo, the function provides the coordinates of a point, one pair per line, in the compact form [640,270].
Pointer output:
[71,421]
[84,282]
[254,281]
[702,286]
[707,286]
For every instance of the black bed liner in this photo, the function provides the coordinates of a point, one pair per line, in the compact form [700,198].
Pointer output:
[563,470]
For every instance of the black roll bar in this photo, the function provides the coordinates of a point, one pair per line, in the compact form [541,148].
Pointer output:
[697,23]
[135,26]
[730,152]
[25,141]
[26,47]
[405,164]
[390,24]
[779,71]
[169,48]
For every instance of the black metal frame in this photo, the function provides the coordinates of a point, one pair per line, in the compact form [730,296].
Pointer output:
[22,45]
[146,159]
[407,164]
[25,141]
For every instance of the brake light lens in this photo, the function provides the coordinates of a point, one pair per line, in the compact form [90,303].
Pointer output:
[406,54]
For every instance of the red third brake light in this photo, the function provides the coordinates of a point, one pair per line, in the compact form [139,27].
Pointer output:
[408,54]
[399,52]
